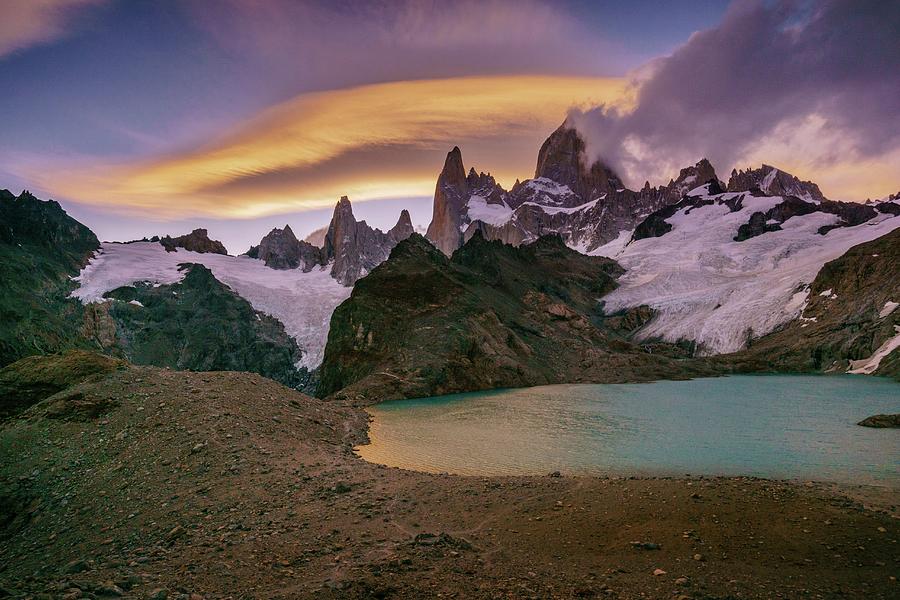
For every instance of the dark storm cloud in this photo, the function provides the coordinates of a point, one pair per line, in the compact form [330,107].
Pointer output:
[766,67]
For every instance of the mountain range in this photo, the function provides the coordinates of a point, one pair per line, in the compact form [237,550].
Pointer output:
[697,276]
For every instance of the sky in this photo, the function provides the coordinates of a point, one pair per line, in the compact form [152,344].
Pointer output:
[152,117]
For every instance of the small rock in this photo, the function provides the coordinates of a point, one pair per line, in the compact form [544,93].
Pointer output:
[108,589]
[681,581]
[658,572]
[175,533]
[699,556]
[645,545]
[555,474]
[76,566]
[158,594]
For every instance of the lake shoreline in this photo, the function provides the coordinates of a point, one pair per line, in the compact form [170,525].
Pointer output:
[228,485]
[663,429]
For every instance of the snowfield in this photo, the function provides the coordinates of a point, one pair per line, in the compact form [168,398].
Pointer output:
[708,288]
[303,302]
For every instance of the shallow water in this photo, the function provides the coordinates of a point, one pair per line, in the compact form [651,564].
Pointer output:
[776,426]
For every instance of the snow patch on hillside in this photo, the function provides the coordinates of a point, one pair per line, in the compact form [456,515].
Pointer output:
[888,308]
[867,366]
[479,209]
[303,302]
[708,288]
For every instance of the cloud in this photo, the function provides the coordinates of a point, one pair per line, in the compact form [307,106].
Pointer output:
[323,45]
[25,23]
[818,78]
[368,142]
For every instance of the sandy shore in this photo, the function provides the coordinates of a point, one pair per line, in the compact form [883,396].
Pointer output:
[227,485]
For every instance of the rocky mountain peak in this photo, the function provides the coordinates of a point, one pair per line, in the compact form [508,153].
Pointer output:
[450,198]
[26,220]
[404,227]
[774,182]
[454,174]
[356,248]
[280,249]
[562,159]
[196,241]
[694,176]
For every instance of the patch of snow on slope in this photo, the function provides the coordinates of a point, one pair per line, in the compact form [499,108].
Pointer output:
[708,288]
[493,214]
[768,179]
[867,366]
[303,302]
[548,186]
[552,210]
[888,308]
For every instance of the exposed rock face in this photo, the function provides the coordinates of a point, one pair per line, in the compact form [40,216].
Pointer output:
[354,247]
[450,196]
[587,206]
[492,315]
[562,159]
[774,182]
[196,241]
[280,249]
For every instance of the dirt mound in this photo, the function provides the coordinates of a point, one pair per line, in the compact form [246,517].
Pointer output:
[30,380]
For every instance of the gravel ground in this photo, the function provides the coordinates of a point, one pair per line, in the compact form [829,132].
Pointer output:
[149,483]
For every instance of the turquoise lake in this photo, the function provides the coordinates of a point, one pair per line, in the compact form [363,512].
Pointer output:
[775,426]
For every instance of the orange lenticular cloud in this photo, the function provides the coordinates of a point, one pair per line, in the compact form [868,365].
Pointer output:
[369,142]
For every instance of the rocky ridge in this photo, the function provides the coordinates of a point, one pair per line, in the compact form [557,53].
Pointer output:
[352,247]
[195,241]
[587,205]
[771,181]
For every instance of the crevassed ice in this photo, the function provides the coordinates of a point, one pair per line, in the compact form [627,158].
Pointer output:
[708,288]
[303,302]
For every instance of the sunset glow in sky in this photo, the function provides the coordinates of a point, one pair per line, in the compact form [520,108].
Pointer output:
[239,115]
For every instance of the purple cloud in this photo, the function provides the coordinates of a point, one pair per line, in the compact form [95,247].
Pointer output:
[767,68]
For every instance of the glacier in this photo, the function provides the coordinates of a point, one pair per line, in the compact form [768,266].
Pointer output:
[303,302]
[708,288]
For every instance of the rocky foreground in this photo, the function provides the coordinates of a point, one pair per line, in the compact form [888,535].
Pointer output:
[148,483]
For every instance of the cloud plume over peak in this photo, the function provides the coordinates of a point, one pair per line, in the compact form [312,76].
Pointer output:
[769,75]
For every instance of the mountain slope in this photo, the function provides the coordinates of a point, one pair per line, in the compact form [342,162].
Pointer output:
[41,248]
[302,301]
[850,313]
[199,324]
[491,316]
[721,269]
